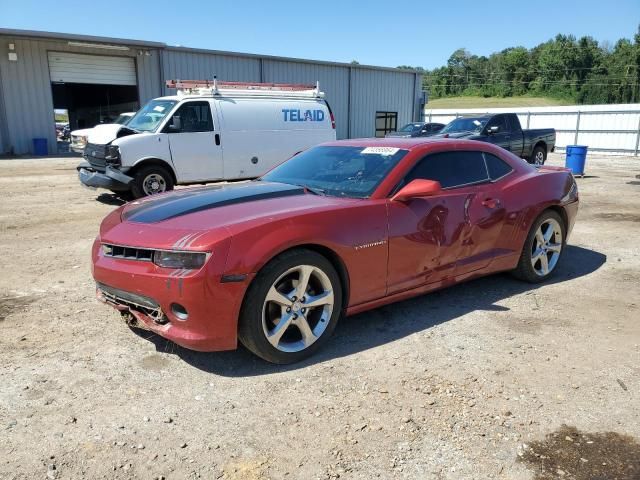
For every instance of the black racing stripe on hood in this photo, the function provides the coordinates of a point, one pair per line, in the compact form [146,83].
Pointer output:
[184,203]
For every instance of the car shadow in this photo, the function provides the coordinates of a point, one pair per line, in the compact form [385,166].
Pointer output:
[377,327]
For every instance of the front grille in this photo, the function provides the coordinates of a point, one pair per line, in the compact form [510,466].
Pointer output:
[95,155]
[132,301]
[128,253]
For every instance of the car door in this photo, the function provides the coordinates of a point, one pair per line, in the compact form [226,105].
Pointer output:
[435,239]
[498,132]
[426,235]
[195,143]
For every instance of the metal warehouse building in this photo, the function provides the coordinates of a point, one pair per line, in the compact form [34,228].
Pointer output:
[95,78]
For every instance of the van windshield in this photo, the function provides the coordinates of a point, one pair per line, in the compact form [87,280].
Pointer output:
[149,117]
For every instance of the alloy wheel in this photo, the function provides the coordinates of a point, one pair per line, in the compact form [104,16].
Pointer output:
[297,308]
[539,158]
[546,248]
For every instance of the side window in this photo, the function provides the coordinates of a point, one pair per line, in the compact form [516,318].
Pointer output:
[451,169]
[514,123]
[194,117]
[498,121]
[497,168]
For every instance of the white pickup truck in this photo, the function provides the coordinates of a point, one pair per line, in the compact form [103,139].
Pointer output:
[209,131]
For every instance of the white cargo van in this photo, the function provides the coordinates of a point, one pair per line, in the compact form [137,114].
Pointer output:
[209,131]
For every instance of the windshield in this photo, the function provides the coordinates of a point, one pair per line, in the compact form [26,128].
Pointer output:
[411,127]
[122,119]
[338,170]
[149,117]
[465,124]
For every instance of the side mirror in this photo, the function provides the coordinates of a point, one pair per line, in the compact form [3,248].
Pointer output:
[492,130]
[176,124]
[417,189]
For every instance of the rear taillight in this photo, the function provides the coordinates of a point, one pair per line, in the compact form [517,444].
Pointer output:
[333,120]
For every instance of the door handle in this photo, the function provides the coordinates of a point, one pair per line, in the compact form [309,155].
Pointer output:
[491,202]
[217,137]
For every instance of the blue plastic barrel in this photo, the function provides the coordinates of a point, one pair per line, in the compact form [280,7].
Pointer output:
[576,158]
[40,146]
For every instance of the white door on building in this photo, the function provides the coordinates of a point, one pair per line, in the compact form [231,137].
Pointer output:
[67,67]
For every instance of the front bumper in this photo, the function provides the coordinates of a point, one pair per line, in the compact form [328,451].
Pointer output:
[111,178]
[148,292]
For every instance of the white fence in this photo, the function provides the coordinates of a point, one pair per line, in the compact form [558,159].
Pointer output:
[612,129]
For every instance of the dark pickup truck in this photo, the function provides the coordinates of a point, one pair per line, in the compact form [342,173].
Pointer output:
[504,130]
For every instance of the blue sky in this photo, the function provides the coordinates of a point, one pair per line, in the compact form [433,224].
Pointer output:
[418,33]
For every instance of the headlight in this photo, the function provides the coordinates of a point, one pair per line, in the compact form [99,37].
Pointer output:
[188,260]
[112,154]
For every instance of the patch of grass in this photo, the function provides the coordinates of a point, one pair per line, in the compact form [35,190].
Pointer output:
[482,102]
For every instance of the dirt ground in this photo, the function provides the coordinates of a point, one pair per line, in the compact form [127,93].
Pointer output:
[489,379]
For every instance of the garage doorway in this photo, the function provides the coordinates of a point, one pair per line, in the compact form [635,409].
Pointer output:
[93,89]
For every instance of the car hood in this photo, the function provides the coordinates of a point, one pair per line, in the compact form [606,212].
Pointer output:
[104,134]
[82,132]
[194,218]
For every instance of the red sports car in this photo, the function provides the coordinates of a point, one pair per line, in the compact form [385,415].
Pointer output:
[338,229]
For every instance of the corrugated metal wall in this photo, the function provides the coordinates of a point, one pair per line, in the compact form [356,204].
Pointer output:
[184,65]
[380,90]
[27,93]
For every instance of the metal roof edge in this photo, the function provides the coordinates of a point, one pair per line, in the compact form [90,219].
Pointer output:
[11,32]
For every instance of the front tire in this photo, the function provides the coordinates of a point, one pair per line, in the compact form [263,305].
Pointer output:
[538,156]
[291,308]
[542,248]
[150,180]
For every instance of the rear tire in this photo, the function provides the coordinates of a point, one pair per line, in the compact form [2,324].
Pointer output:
[291,308]
[150,180]
[538,156]
[542,249]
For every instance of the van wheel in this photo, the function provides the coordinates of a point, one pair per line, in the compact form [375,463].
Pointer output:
[538,156]
[151,180]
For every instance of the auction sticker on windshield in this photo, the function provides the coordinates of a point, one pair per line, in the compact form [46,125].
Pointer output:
[380,150]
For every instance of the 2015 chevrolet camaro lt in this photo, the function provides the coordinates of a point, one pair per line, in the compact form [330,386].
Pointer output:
[338,229]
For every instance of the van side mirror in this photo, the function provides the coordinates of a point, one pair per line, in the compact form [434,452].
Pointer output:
[494,129]
[176,124]
[418,188]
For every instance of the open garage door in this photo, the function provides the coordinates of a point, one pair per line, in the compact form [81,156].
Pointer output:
[65,67]
[93,89]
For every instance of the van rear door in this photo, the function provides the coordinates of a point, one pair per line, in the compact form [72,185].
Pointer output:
[194,139]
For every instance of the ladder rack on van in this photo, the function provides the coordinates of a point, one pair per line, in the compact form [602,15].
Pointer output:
[215,87]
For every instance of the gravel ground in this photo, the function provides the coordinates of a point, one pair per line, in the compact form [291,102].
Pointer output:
[489,379]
